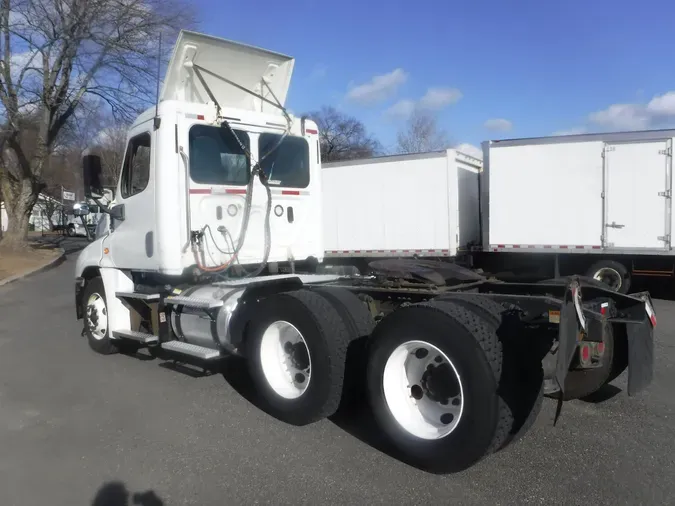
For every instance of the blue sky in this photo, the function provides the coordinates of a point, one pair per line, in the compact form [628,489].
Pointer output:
[489,69]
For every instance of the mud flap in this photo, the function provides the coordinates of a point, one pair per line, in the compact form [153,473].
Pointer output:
[567,343]
[640,356]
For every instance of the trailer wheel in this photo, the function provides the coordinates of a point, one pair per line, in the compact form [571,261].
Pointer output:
[611,273]
[296,346]
[432,384]
[95,311]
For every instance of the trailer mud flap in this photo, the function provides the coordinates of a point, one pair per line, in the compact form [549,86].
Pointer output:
[640,356]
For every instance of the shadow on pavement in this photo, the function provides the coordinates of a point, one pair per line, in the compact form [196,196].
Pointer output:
[353,416]
[116,494]
[605,393]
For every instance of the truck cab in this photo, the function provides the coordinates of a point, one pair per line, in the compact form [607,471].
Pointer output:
[188,175]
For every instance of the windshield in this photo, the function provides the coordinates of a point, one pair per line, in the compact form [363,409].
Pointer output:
[288,164]
[216,157]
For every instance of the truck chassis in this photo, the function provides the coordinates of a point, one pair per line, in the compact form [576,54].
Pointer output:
[452,373]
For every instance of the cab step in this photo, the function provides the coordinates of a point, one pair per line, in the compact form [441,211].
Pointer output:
[192,350]
[134,335]
[147,297]
[195,302]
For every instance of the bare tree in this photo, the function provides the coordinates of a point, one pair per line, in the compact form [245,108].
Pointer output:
[111,144]
[422,134]
[55,53]
[343,137]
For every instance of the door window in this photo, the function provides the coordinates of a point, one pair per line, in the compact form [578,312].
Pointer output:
[136,169]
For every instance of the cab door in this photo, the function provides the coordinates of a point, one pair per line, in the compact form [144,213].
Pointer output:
[131,242]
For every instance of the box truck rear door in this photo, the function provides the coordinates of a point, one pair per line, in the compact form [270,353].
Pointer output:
[637,189]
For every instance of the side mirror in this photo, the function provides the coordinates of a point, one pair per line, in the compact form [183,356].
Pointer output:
[91,176]
[81,209]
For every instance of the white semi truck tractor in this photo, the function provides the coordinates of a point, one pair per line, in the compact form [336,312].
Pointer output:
[213,246]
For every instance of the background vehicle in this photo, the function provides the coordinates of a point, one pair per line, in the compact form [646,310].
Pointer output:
[541,207]
[219,253]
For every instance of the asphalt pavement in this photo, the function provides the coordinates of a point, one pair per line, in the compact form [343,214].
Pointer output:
[77,428]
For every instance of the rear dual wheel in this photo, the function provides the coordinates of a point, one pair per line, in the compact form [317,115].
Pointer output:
[296,346]
[435,385]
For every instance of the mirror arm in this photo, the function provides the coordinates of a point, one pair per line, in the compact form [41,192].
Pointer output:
[90,237]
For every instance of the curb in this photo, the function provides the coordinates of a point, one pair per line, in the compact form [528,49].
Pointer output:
[44,267]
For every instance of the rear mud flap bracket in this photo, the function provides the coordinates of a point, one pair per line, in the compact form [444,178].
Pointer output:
[567,343]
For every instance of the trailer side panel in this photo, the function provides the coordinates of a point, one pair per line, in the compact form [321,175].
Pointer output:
[399,205]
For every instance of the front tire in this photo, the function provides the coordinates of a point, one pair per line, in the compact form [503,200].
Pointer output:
[296,348]
[443,424]
[95,311]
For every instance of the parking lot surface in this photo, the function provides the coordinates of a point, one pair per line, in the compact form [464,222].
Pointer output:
[79,428]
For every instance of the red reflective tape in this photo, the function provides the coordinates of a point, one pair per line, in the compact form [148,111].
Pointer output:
[200,116]
[580,247]
[290,192]
[357,251]
[516,246]
[200,191]
[311,131]
[562,247]
[501,246]
[597,247]
[236,191]
[445,251]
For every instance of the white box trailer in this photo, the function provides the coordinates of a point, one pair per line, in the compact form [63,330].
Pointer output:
[381,207]
[598,204]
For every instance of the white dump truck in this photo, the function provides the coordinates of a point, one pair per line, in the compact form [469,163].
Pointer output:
[213,246]
[598,205]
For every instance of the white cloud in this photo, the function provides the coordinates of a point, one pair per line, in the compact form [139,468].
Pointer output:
[379,88]
[439,98]
[401,109]
[470,149]
[498,125]
[434,99]
[659,110]
[663,105]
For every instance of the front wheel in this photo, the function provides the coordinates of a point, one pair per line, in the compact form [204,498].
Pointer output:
[95,311]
